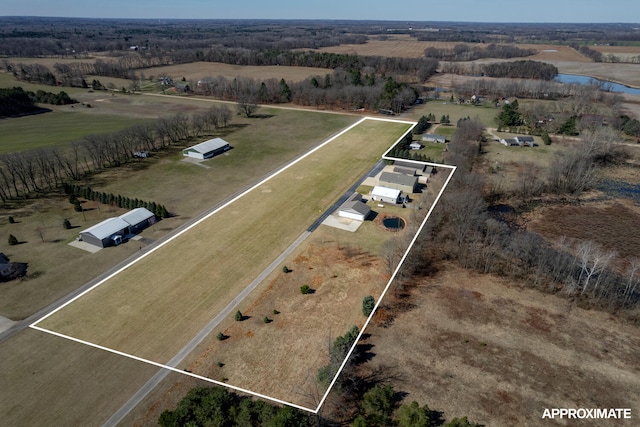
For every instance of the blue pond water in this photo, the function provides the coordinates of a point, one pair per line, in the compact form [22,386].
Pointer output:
[607,85]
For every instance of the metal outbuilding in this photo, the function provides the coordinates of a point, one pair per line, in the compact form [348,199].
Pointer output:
[106,233]
[384,194]
[207,149]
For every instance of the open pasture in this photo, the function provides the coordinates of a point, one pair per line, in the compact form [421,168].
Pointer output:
[56,128]
[152,308]
[197,70]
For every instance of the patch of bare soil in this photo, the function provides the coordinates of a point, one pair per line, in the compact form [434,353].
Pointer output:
[479,346]
[613,225]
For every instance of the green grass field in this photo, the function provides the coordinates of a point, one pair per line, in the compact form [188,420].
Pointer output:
[56,129]
[156,305]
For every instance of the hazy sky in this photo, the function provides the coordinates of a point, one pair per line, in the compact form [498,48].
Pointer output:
[405,10]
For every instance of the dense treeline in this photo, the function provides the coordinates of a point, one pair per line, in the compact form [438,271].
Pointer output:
[340,89]
[465,52]
[74,73]
[36,171]
[16,101]
[594,55]
[521,70]
[470,231]
[69,37]
[215,406]
[531,89]
[74,191]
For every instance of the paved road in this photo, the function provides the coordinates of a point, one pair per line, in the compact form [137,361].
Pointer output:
[121,413]
[372,172]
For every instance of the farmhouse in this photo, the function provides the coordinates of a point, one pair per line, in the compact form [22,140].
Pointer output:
[518,141]
[384,194]
[434,137]
[402,182]
[207,149]
[138,219]
[354,208]
[107,233]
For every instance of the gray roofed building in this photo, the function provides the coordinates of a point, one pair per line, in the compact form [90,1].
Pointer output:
[354,208]
[434,137]
[138,219]
[405,170]
[207,149]
[405,183]
[103,234]
[418,166]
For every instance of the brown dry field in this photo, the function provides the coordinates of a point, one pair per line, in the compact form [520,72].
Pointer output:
[632,50]
[484,347]
[613,224]
[409,47]
[198,70]
[341,277]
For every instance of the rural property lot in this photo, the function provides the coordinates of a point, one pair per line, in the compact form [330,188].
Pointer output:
[155,306]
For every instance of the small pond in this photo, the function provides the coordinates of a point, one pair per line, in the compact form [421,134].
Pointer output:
[393,223]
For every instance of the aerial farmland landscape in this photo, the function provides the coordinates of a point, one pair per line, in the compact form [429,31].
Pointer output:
[274,217]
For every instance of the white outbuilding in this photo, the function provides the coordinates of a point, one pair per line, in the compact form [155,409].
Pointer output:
[207,149]
[385,194]
[354,208]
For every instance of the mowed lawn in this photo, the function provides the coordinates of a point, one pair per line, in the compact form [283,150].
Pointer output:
[153,308]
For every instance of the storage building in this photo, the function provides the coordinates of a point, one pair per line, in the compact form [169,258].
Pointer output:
[385,194]
[354,208]
[207,149]
[107,233]
[405,183]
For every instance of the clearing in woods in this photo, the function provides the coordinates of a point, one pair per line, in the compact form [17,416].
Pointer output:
[153,307]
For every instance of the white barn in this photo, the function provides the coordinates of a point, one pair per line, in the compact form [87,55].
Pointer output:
[385,194]
[354,208]
[207,149]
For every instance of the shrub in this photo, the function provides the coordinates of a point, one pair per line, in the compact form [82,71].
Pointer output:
[266,320]
[275,311]
[220,364]
[12,240]
[285,269]
[77,206]
[368,303]
[11,220]
[66,224]
[220,336]
[305,289]
[239,316]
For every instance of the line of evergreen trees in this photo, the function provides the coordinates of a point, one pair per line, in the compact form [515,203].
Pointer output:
[74,191]
[16,101]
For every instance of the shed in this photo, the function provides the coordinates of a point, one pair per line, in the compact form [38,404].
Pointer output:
[138,219]
[104,233]
[207,149]
[405,183]
[354,208]
[434,137]
[405,170]
[415,146]
[385,194]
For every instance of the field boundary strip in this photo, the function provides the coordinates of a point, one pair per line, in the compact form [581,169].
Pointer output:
[179,357]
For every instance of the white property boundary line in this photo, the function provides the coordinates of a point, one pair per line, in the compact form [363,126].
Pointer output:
[273,399]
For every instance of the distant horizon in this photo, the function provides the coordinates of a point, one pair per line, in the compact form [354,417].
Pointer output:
[406,22]
[409,11]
